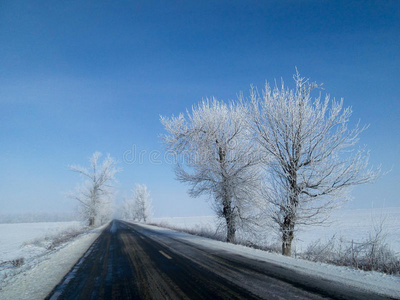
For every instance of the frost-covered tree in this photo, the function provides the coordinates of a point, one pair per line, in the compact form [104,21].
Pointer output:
[142,206]
[313,160]
[127,210]
[216,158]
[139,206]
[95,195]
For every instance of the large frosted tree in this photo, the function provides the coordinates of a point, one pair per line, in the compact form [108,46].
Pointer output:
[95,194]
[312,158]
[216,158]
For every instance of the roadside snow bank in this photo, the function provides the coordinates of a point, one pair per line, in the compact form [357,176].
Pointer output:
[39,280]
[26,244]
[373,282]
[21,239]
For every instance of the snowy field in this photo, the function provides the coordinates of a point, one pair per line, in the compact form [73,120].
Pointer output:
[24,239]
[24,245]
[348,224]
[43,267]
[356,225]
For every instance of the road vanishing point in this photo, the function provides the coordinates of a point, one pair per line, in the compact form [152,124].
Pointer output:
[130,261]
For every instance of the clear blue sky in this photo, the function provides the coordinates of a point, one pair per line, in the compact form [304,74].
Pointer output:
[83,76]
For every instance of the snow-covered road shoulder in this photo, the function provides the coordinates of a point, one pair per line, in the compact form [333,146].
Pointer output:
[374,282]
[39,280]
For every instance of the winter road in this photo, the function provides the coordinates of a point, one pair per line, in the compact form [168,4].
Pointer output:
[129,261]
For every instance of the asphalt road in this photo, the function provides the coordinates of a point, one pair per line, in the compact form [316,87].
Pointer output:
[129,261]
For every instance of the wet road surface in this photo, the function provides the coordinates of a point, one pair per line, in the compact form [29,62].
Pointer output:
[129,261]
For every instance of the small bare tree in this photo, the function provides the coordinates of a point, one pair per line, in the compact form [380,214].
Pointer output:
[216,158]
[312,156]
[95,194]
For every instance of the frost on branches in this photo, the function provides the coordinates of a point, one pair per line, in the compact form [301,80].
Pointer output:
[95,195]
[138,208]
[313,161]
[215,157]
[127,210]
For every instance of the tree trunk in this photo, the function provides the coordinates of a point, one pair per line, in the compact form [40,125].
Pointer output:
[231,230]
[230,225]
[290,214]
[227,210]
[287,243]
[287,235]
[229,217]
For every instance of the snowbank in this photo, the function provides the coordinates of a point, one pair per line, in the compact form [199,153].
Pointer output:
[39,280]
[19,240]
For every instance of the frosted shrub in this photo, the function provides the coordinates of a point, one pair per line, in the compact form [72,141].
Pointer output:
[18,262]
[371,254]
[318,251]
[54,239]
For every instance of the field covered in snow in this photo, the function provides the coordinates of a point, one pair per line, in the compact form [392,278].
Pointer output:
[350,225]
[356,225]
[26,239]
[23,245]
[49,250]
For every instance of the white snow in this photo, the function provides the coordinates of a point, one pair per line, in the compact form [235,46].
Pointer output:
[18,240]
[356,225]
[349,224]
[29,243]
[370,281]
[41,274]
[209,222]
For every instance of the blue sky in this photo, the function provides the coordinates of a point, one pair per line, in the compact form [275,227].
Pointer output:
[83,76]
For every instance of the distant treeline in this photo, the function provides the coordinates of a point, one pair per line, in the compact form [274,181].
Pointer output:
[37,217]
